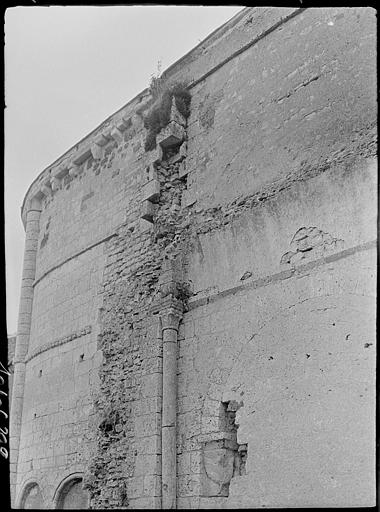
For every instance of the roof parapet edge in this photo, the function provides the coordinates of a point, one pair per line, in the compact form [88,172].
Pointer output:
[220,30]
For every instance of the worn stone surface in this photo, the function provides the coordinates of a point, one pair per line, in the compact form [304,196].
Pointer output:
[263,230]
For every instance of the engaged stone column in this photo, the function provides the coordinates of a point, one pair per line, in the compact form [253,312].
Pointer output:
[170,319]
[23,333]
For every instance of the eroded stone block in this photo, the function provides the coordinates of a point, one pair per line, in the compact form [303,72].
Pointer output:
[145,225]
[188,199]
[116,135]
[74,170]
[175,114]
[101,139]
[182,171]
[147,210]
[59,172]
[151,191]
[97,151]
[45,189]
[171,135]
[55,184]
[156,155]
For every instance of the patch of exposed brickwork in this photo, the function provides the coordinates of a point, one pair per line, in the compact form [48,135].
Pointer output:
[132,355]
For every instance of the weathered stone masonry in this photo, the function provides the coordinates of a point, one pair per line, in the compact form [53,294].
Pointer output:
[203,337]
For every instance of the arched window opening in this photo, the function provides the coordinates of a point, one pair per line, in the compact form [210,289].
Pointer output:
[73,496]
[32,498]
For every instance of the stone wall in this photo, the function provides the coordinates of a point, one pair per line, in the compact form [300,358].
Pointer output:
[78,221]
[259,225]
[291,342]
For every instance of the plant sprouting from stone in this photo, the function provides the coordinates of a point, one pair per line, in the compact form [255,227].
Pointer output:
[159,115]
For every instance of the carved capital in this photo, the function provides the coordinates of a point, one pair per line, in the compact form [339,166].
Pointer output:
[170,318]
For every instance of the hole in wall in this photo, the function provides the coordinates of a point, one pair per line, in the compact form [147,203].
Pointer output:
[223,457]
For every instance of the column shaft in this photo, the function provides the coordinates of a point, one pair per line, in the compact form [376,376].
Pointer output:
[22,340]
[169,419]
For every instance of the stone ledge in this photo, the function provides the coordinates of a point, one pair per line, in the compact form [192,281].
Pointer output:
[217,436]
[60,341]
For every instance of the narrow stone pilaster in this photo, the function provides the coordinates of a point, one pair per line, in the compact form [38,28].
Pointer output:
[23,333]
[170,318]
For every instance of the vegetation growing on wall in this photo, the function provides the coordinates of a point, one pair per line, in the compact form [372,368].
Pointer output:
[159,115]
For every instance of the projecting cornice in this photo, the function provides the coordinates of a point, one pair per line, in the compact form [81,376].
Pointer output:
[220,46]
[51,179]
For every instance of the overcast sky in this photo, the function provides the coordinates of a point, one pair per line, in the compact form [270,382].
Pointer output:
[66,70]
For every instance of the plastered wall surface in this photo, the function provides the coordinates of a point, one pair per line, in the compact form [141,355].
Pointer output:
[259,233]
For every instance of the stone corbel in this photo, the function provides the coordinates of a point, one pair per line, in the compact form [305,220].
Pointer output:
[97,151]
[151,191]
[107,134]
[121,125]
[45,188]
[116,135]
[145,225]
[35,201]
[156,155]
[101,140]
[152,172]
[59,172]
[182,171]
[147,210]
[55,184]
[82,155]
[172,135]
[73,170]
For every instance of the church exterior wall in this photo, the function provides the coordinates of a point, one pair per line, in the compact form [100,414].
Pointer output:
[197,322]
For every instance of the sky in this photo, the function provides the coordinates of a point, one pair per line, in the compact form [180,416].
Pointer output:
[66,70]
